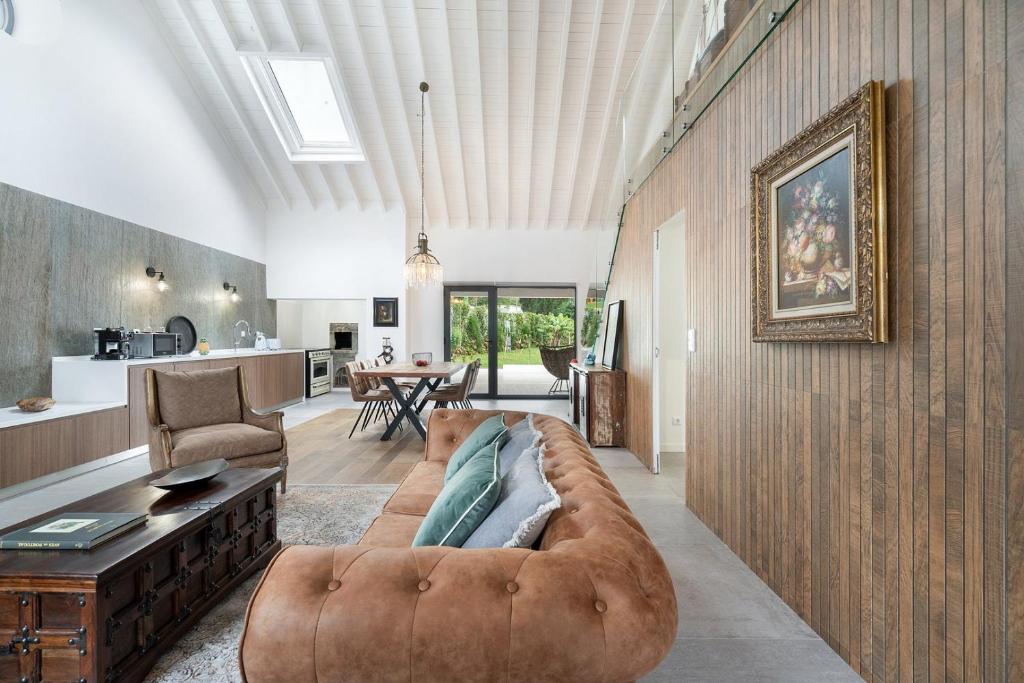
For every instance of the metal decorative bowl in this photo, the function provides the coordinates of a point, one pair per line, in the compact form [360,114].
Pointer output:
[190,476]
[422,359]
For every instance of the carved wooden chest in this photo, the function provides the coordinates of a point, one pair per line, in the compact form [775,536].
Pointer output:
[109,613]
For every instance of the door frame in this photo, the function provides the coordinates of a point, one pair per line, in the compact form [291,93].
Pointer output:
[676,222]
[492,330]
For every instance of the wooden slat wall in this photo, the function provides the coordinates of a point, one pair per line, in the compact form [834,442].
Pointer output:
[878,489]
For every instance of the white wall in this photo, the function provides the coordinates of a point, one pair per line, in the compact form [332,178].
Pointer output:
[346,254]
[482,256]
[305,323]
[103,117]
[672,333]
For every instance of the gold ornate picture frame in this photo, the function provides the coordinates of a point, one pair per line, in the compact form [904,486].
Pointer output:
[818,229]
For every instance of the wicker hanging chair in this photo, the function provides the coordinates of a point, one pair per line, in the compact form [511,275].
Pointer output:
[556,361]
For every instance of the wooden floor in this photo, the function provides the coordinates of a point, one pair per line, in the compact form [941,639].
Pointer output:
[320,452]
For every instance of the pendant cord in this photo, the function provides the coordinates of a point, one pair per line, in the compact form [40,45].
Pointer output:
[423,117]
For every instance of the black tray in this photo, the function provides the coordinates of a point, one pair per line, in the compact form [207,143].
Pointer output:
[183,327]
[190,476]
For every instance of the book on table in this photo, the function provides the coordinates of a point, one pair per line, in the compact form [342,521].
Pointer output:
[72,531]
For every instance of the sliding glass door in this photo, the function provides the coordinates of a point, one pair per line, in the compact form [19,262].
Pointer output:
[524,336]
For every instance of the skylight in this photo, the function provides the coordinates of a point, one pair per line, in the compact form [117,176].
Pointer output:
[310,98]
[303,98]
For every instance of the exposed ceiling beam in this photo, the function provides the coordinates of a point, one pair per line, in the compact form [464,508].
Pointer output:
[475,31]
[330,187]
[458,120]
[433,121]
[258,26]
[293,29]
[352,186]
[332,48]
[557,111]
[225,20]
[397,93]
[222,81]
[595,34]
[531,103]
[613,90]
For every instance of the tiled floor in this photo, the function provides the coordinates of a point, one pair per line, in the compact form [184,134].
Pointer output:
[731,626]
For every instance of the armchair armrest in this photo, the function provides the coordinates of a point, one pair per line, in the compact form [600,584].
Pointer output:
[273,421]
[424,614]
[159,447]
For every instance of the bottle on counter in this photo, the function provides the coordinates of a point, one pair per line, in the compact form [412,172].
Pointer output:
[204,346]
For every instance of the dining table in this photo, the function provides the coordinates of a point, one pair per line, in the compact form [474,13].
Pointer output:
[427,377]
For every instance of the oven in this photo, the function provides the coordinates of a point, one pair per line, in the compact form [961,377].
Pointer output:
[319,372]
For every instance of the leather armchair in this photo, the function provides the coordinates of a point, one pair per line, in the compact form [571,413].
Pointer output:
[205,414]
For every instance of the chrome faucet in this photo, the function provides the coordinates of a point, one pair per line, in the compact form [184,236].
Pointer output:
[238,335]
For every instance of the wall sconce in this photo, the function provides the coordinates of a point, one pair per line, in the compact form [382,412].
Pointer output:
[161,284]
[234,292]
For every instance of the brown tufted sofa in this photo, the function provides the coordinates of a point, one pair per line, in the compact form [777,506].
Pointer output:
[594,602]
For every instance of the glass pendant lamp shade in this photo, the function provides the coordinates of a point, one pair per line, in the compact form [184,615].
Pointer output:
[422,269]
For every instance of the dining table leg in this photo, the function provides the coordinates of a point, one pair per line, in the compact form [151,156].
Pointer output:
[407,407]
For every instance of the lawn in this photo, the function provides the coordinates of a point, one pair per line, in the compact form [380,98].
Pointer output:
[529,356]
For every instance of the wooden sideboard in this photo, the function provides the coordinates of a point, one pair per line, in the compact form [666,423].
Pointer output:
[598,403]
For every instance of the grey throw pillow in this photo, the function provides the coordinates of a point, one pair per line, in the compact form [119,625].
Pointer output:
[521,435]
[526,501]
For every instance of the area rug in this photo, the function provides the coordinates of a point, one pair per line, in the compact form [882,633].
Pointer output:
[307,515]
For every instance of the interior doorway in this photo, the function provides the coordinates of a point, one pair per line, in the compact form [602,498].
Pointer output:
[668,387]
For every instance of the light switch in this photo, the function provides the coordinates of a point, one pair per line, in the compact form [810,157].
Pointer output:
[691,340]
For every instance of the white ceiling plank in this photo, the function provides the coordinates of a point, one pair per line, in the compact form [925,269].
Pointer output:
[611,105]
[417,37]
[595,34]
[508,116]
[557,111]
[218,7]
[330,187]
[321,15]
[455,108]
[306,189]
[483,118]
[223,83]
[293,29]
[258,25]
[531,104]
[354,191]
[397,93]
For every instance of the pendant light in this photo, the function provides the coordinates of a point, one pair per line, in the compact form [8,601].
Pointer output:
[422,269]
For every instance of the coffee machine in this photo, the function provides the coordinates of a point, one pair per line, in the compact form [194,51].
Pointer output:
[111,343]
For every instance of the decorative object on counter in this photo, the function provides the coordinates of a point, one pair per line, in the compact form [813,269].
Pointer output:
[591,357]
[385,311]
[186,331]
[261,341]
[161,283]
[233,295]
[273,344]
[111,343]
[387,351]
[422,269]
[612,332]
[819,244]
[72,531]
[190,476]
[204,346]
[35,404]
[423,359]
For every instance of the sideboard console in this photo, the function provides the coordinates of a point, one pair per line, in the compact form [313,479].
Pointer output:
[598,398]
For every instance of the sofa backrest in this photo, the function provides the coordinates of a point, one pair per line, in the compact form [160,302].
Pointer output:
[198,398]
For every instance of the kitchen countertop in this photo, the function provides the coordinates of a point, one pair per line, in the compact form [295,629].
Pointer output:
[214,354]
[15,417]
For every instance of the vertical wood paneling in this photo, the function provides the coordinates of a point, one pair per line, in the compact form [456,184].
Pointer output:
[868,485]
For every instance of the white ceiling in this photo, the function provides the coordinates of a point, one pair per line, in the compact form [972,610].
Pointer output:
[522,122]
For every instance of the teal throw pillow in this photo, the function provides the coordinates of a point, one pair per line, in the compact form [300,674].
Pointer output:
[464,502]
[486,432]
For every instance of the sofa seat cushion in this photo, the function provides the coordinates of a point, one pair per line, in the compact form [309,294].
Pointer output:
[228,441]
[198,397]
[418,490]
[392,530]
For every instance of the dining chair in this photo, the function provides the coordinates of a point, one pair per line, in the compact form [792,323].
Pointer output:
[377,402]
[457,395]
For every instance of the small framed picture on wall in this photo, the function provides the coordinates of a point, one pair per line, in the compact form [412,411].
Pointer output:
[385,311]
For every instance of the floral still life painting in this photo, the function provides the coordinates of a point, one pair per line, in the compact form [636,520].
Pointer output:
[818,234]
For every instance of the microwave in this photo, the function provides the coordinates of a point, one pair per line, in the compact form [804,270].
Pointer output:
[155,344]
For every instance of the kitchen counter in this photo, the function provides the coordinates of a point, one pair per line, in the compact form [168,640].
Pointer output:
[15,417]
[80,379]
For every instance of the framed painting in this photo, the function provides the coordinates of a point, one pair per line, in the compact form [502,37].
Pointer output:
[818,242]
[385,311]
[612,335]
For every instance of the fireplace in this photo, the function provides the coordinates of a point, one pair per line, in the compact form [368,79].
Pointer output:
[343,340]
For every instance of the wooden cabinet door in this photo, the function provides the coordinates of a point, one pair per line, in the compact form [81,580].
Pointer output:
[294,379]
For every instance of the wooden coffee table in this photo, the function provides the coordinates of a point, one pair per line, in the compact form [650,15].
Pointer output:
[109,613]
